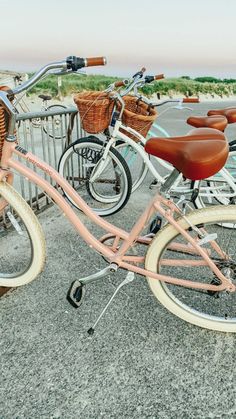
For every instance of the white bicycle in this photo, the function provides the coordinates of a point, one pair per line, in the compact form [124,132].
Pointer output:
[57,128]
[74,159]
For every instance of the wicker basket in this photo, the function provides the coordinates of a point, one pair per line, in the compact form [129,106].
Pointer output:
[95,109]
[137,115]
[2,130]
[3,123]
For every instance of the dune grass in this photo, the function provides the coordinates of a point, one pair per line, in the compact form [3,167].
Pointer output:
[183,85]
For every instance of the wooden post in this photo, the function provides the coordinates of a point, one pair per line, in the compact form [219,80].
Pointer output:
[59,83]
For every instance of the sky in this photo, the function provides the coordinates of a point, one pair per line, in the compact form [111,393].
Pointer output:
[175,37]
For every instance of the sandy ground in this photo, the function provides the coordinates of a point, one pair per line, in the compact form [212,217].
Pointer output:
[35,102]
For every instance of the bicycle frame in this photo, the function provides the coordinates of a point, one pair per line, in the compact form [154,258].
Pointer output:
[117,134]
[118,257]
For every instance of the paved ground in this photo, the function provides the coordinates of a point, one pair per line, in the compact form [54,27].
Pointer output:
[142,362]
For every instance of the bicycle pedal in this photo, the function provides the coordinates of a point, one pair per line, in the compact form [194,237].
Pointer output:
[155,224]
[76,294]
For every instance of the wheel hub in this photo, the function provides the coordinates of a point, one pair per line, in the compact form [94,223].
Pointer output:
[228,269]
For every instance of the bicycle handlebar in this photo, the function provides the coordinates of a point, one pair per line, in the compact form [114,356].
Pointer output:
[164,102]
[121,83]
[139,73]
[128,83]
[95,61]
[75,63]
[159,77]
[134,81]
[150,79]
[72,63]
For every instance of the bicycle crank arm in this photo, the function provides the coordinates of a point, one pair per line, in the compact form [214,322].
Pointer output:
[76,291]
[112,268]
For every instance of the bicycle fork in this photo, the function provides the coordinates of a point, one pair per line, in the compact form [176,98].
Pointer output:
[102,163]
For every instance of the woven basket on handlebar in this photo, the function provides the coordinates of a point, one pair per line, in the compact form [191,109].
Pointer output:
[95,109]
[2,131]
[137,115]
[3,123]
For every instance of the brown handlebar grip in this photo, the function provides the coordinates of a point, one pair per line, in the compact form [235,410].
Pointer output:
[191,100]
[90,62]
[159,77]
[119,83]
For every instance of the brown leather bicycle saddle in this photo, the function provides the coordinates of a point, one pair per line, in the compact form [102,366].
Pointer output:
[219,122]
[199,154]
[229,113]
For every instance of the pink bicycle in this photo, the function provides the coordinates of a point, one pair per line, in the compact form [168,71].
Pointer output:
[190,261]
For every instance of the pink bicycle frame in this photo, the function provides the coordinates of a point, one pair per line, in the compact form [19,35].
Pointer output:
[165,207]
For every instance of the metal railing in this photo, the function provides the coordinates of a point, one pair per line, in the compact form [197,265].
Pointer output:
[45,134]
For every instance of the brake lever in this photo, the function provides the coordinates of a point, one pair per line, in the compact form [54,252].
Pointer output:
[60,72]
[69,71]
[180,107]
[189,109]
[80,73]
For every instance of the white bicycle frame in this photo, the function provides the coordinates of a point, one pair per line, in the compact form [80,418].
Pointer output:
[138,147]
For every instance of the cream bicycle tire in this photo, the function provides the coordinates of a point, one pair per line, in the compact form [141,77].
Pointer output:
[36,236]
[160,289]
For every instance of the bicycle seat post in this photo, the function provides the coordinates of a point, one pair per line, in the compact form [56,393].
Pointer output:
[45,98]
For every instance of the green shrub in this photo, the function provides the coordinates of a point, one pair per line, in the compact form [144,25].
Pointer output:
[208,79]
[182,86]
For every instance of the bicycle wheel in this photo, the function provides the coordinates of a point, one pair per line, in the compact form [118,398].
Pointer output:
[217,190]
[169,255]
[108,191]
[22,243]
[36,122]
[135,162]
[55,127]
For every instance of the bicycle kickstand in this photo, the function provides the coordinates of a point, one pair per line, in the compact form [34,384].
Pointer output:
[129,278]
